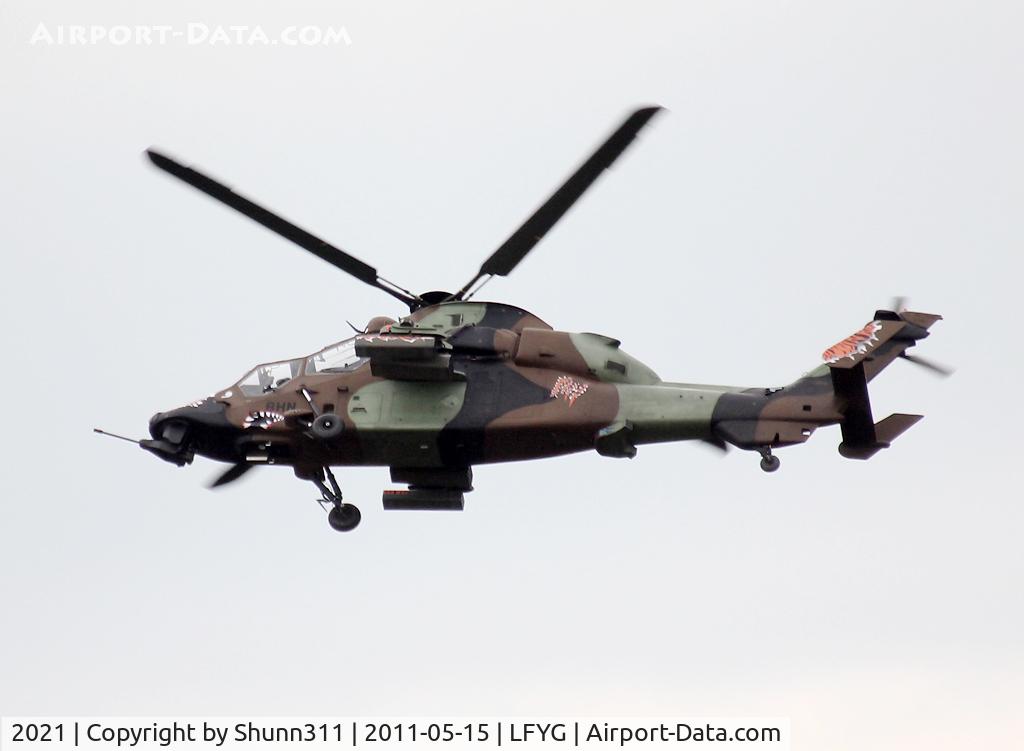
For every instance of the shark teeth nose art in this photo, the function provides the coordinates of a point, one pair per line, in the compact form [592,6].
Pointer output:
[262,419]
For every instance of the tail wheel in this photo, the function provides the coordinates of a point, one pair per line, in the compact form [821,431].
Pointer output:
[770,463]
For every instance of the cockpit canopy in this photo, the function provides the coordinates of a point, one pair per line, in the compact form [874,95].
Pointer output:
[271,376]
[337,358]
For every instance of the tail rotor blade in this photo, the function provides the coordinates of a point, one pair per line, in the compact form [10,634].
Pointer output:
[934,367]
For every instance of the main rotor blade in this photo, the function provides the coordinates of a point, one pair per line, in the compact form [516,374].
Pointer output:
[521,242]
[320,248]
[716,443]
[231,474]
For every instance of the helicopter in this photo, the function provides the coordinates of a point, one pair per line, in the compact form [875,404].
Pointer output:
[456,383]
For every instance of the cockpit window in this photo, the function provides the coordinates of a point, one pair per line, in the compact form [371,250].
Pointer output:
[269,377]
[334,359]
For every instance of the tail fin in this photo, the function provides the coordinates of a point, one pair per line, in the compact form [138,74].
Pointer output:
[856,360]
[880,342]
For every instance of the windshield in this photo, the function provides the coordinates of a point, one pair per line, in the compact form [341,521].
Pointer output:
[269,377]
[273,375]
[334,359]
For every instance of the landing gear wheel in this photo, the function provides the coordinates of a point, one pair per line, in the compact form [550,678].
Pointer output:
[344,518]
[327,426]
[770,463]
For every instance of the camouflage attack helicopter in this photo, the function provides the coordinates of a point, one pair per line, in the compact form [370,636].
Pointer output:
[456,383]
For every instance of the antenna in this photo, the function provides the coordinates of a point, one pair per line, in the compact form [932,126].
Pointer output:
[115,435]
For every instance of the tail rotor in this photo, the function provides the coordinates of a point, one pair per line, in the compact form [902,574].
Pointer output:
[899,308]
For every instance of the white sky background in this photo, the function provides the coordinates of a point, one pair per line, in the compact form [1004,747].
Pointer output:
[817,159]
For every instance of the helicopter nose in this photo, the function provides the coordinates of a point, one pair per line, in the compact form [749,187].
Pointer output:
[177,433]
[207,414]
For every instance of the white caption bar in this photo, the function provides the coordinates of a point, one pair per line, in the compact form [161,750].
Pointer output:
[394,733]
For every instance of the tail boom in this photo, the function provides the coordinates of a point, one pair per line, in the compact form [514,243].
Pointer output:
[834,393]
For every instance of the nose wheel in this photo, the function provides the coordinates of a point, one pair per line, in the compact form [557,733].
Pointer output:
[769,462]
[342,516]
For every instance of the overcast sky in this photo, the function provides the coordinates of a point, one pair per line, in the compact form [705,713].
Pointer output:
[817,159]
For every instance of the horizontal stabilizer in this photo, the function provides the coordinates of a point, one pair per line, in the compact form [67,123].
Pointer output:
[893,426]
[885,432]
